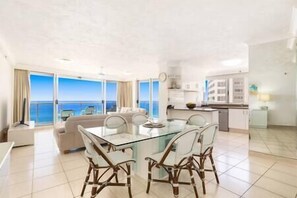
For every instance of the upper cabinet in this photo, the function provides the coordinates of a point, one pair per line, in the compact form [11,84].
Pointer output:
[174,78]
[191,86]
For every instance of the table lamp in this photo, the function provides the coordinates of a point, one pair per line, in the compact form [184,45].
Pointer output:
[264,98]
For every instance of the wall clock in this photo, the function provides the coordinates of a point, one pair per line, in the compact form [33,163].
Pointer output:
[162,77]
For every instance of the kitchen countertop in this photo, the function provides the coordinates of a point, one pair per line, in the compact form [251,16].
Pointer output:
[207,109]
[227,106]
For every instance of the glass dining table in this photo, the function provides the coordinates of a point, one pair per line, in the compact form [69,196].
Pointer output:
[144,139]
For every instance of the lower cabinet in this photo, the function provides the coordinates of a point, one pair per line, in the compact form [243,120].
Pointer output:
[239,119]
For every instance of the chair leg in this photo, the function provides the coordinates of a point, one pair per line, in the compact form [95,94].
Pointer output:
[214,168]
[202,173]
[175,183]
[116,177]
[169,174]
[149,176]
[109,148]
[192,179]
[95,183]
[86,181]
[129,179]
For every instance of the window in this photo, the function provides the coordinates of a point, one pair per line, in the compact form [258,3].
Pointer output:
[226,90]
[74,96]
[217,91]
[221,91]
[148,96]
[79,97]
[41,101]
[111,96]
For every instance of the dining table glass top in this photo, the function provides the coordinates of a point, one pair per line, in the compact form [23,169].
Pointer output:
[131,133]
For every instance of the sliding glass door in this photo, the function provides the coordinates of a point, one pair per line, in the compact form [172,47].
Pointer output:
[155,98]
[41,99]
[72,96]
[79,97]
[111,96]
[148,96]
[144,95]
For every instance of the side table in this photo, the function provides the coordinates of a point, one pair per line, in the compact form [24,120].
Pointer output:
[258,118]
[21,135]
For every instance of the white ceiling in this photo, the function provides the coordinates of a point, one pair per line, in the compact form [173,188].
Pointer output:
[139,35]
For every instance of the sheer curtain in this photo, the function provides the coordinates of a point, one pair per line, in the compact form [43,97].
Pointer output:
[21,91]
[124,94]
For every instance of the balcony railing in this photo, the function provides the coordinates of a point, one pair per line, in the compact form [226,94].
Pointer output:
[43,112]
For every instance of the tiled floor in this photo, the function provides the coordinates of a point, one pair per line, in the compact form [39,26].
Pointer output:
[41,171]
[277,140]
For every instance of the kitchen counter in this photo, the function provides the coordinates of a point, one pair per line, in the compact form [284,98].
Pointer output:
[226,106]
[196,109]
[211,115]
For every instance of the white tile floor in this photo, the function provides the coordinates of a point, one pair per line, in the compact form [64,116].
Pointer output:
[41,171]
[275,140]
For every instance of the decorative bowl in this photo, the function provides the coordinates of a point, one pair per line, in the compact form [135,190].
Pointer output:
[191,105]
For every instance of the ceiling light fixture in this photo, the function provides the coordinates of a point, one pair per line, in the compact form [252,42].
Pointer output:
[64,60]
[232,62]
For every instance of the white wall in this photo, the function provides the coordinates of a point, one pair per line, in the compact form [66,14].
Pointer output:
[272,69]
[5,93]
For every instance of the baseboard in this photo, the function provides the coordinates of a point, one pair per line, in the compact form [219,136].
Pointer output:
[238,131]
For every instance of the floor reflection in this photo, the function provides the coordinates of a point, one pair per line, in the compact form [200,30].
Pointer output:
[275,140]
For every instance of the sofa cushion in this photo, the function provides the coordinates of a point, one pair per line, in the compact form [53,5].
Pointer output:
[125,109]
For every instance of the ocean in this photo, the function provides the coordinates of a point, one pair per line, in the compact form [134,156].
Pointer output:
[42,112]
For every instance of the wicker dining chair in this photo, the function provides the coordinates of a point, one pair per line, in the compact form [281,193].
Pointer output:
[115,122]
[197,120]
[139,118]
[204,151]
[100,160]
[174,161]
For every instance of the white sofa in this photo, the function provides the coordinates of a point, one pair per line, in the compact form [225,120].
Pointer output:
[67,135]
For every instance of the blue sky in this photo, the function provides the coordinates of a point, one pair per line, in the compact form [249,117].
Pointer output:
[41,88]
[79,90]
[69,89]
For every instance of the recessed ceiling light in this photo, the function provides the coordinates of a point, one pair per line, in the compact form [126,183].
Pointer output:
[232,62]
[65,60]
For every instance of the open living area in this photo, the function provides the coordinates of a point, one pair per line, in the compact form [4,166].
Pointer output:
[148,99]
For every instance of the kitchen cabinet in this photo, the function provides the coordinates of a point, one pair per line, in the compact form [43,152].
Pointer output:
[258,118]
[175,96]
[239,119]
[190,86]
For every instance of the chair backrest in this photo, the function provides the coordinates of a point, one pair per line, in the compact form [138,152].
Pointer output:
[93,148]
[115,121]
[197,120]
[139,119]
[185,143]
[207,138]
